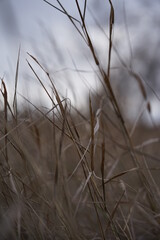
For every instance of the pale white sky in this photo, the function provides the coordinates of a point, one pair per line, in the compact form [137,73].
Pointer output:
[48,35]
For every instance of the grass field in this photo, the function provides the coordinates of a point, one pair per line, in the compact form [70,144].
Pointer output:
[65,174]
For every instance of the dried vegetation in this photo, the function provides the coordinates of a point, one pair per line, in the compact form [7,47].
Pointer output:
[64,175]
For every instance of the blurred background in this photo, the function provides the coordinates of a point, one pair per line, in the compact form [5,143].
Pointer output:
[47,34]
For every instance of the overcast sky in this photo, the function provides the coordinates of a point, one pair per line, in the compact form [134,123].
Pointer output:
[49,36]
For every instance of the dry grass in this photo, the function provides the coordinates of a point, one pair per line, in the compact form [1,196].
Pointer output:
[65,175]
